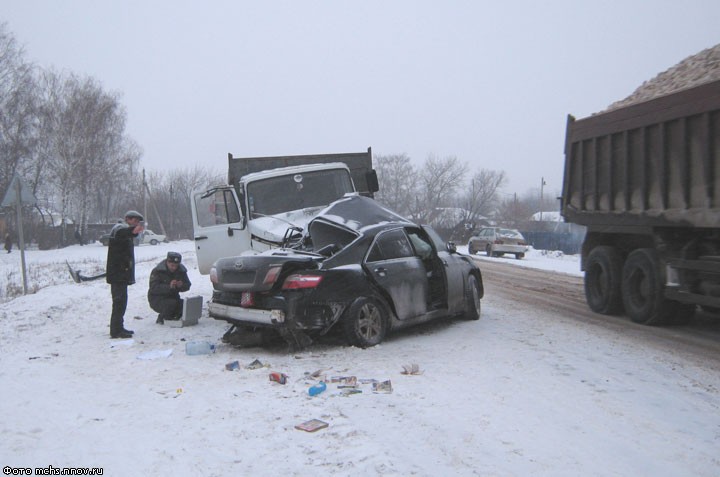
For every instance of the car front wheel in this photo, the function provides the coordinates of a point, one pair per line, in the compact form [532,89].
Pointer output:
[365,323]
[472,298]
[153,242]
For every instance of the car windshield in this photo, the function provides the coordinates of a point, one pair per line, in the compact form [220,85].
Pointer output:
[510,233]
[298,191]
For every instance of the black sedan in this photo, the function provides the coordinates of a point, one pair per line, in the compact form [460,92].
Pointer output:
[362,267]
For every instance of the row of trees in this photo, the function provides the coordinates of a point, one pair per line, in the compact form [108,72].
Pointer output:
[65,136]
[447,188]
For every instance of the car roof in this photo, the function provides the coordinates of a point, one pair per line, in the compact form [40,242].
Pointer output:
[361,215]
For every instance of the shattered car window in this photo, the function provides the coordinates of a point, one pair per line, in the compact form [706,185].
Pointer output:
[389,245]
[325,234]
[423,249]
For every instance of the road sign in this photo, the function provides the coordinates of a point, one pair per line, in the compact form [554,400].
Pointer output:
[11,196]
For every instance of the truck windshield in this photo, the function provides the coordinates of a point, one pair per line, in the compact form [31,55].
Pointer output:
[297,191]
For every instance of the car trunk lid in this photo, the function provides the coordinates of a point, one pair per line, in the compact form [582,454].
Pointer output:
[259,273]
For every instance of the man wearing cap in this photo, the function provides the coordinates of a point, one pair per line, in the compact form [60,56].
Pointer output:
[121,269]
[167,280]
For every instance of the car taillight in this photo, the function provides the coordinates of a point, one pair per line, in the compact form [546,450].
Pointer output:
[299,281]
[272,275]
[247,299]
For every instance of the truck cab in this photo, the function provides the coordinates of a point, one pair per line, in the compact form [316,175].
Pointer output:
[267,208]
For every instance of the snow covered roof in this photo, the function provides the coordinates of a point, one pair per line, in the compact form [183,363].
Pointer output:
[549,216]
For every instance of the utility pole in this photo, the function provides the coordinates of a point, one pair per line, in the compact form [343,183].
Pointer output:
[542,184]
[144,202]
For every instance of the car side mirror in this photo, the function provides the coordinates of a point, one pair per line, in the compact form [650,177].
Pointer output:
[451,247]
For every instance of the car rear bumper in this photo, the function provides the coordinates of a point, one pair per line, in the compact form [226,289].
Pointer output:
[510,248]
[246,315]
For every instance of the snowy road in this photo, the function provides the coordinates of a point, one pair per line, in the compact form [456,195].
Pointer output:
[563,295]
[527,390]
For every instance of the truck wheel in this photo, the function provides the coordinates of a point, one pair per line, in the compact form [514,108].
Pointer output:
[365,323]
[603,276]
[643,281]
[472,299]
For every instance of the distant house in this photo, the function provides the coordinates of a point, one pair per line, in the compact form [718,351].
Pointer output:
[548,230]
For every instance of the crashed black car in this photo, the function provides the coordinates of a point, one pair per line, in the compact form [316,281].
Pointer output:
[364,268]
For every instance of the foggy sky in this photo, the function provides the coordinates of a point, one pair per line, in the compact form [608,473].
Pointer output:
[488,82]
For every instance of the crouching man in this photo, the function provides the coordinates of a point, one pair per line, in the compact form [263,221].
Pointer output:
[167,280]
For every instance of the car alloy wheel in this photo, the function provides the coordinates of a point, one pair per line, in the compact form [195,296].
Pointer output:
[365,322]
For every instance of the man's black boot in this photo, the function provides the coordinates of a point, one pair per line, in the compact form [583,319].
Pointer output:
[121,334]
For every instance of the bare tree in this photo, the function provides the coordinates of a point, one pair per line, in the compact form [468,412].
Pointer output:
[84,152]
[512,211]
[482,194]
[438,181]
[397,179]
[18,110]
[172,193]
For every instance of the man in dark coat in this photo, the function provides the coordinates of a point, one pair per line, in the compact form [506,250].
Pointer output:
[167,280]
[121,269]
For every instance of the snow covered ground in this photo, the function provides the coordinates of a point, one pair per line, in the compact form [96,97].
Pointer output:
[519,392]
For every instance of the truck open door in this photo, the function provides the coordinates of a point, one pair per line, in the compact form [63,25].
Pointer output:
[217,218]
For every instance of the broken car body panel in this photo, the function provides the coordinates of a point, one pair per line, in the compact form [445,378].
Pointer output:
[355,250]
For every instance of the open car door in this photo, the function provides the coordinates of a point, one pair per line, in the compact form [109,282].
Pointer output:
[218,226]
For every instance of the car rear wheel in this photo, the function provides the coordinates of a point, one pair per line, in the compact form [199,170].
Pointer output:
[153,242]
[519,256]
[472,299]
[471,249]
[365,323]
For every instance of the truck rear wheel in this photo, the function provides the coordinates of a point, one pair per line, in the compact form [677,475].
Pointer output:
[603,276]
[643,282]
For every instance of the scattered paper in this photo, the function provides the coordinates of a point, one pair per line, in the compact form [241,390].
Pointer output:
[122,343]
[383,387]
[312,425]
[155,354]
[412,368]
[257,364]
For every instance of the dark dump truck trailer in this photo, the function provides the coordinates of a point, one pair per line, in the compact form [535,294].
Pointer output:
[645,181]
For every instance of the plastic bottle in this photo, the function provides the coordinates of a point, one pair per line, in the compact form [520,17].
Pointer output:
[199,347]
[317,388]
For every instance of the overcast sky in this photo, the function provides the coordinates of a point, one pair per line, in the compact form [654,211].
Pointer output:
[488,82]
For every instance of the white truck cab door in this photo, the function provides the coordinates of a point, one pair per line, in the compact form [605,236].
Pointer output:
[218,226]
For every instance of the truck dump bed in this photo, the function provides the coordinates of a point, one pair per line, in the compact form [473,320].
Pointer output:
[652,164]
[359,163]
